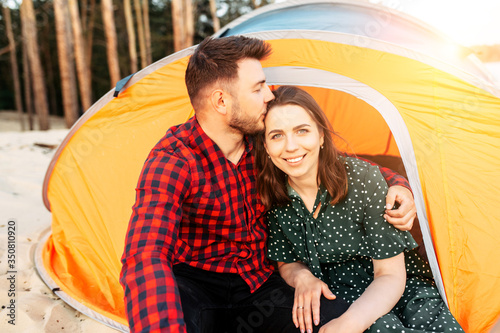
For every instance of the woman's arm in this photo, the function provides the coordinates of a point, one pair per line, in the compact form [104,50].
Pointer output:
[399,191]
[308,291]
[377,300]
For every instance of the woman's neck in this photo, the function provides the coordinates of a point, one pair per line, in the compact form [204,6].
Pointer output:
[307,190]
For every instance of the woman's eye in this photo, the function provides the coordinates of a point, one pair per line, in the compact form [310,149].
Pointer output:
[302,131]
[276,136]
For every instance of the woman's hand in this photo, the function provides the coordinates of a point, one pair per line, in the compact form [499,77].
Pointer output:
[308,291]
[306,307]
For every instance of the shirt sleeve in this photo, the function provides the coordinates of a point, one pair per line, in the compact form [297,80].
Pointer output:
[392,178]
[151,294]
[381,240]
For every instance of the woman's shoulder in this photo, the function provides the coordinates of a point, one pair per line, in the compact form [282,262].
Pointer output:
[358,167]
[280,210]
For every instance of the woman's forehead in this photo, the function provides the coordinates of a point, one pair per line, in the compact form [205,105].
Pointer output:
[288,115]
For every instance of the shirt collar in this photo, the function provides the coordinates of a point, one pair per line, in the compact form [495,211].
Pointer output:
[207,146]
[322,194]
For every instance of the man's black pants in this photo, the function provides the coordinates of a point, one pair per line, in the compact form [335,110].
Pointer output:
[222,303]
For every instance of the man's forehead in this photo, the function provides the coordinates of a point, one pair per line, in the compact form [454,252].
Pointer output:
[251,68]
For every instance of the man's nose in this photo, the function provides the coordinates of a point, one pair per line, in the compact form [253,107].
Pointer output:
[269,94]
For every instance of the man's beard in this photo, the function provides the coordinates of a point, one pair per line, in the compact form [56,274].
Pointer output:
[244,124]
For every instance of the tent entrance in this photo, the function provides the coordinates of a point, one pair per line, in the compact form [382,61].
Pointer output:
[372,127]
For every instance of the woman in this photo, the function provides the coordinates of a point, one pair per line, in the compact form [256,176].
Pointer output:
[326,218]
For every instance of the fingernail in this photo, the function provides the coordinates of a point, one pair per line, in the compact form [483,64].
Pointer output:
[302,330]
[309,330]
[316,322]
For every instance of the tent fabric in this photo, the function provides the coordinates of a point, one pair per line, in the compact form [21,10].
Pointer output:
[358,19]
[440,119]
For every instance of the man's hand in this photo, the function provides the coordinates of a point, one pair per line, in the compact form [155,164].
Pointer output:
[402,217]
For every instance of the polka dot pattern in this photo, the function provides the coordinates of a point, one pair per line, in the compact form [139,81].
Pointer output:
[339,244]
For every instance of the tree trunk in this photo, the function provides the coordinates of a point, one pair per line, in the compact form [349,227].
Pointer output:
[111,41]
[89,32]
[132,48]
[27,88]
[178,24]
[147,30]
[13,63]
[84,5]
[66,68]
[189,22]
[140,32]
[81,63]
[37,75]
[215,18]
[182,17]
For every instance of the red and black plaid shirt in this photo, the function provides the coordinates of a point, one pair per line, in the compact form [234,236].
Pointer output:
[196,207]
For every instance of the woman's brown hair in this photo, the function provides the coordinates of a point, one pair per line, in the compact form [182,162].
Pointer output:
[271,181]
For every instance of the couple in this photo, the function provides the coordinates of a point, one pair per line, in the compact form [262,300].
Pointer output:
[198,246]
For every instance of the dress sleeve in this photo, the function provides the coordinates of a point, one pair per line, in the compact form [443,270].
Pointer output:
[151,294]
[279,247]
[381,239]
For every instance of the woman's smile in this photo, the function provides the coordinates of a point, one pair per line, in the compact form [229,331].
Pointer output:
[293,141]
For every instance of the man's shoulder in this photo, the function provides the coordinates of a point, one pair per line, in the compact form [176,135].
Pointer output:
[176,142]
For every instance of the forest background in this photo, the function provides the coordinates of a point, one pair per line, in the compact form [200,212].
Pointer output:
[57,57]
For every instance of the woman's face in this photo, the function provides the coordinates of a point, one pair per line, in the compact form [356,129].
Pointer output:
[293,141]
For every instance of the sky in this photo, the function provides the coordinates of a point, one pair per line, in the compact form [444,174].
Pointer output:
[468,22]
[475,22]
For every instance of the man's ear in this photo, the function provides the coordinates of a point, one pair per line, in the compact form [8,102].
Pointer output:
[218,99]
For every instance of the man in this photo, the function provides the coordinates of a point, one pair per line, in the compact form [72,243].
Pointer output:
[195,250]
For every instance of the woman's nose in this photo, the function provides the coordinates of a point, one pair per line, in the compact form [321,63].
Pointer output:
[291,144]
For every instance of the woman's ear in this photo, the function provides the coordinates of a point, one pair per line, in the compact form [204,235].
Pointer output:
[218,100]
[322,139]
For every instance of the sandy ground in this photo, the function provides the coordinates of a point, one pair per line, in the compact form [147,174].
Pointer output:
[23,163]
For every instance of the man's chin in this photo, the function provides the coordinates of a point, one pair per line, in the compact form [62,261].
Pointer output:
[259,128]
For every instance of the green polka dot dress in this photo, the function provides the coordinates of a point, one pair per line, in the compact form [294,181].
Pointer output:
[338,246]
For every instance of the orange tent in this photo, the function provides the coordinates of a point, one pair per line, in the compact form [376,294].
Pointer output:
[391,88]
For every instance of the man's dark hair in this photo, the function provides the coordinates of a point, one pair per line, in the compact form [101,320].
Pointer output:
[216,60]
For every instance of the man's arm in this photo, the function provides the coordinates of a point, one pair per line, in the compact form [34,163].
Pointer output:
[151,295]
[403,214]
